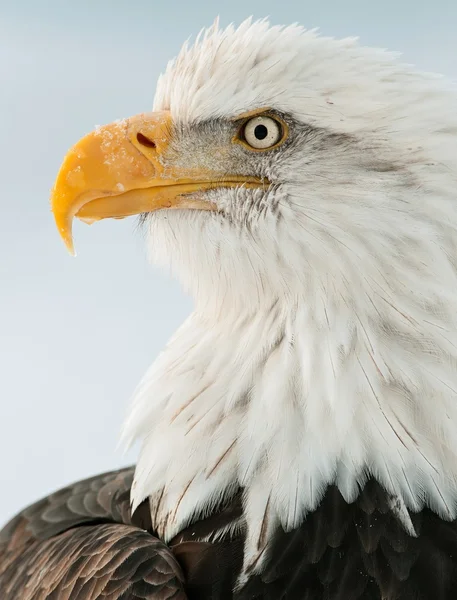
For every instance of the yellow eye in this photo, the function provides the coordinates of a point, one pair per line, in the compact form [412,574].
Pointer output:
[262,132]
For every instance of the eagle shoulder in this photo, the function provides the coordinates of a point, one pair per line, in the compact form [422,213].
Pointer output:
[82,542]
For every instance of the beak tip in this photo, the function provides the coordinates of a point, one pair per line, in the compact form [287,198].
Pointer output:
[68,241]
[64,227]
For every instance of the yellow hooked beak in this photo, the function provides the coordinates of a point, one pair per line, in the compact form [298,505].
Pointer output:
[118,170]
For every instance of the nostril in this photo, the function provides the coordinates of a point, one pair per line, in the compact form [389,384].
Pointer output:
[145,141]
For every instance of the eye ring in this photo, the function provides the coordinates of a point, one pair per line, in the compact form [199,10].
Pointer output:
[262,132]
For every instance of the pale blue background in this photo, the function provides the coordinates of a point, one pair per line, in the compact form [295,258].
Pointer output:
[76,335]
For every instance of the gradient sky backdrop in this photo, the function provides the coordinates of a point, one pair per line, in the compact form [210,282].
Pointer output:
[76,335]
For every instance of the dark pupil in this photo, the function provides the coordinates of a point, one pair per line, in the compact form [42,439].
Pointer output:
[260,132]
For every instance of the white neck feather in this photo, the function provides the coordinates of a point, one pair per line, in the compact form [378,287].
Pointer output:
[288,400]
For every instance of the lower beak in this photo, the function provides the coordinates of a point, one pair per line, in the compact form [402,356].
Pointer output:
[118,170]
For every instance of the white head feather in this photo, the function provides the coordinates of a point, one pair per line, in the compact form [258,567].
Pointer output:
[323,345]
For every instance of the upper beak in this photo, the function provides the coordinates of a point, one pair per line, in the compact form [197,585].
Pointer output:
[118,170]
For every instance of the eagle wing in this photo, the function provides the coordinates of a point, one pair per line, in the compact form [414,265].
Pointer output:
[81,543]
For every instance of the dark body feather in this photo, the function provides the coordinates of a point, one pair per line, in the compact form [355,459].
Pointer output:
[82,543]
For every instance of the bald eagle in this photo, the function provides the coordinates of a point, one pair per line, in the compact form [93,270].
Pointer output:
[299,432]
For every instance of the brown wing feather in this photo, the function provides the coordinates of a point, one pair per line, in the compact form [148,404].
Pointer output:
[109,561]
[80,544]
